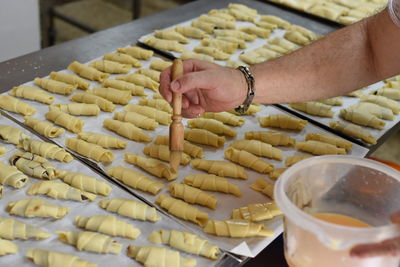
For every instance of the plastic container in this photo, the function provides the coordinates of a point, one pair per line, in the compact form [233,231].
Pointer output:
[360,188]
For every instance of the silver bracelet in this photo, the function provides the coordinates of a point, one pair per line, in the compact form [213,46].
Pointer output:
[251,91]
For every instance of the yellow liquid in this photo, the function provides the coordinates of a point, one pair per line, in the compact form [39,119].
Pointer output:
[341,220]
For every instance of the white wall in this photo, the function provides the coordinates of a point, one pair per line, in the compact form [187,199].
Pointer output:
[19,28]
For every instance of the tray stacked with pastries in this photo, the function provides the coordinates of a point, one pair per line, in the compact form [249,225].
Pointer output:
[57,210]
[108,113]
[344,12]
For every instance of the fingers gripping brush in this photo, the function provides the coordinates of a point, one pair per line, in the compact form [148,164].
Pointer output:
[176,130]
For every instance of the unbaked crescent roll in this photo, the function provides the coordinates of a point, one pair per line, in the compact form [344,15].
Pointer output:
[65,120]
[213,52]
[236,228]
[221,13]
[382,101]
[185,241]
[259,31]
[90,241]
[330,139]
[162,152]
[203,25]
[193,55]
[10,175]
[211,182]
[61,190]
[152,166]
[263,186]
[284,43]
[140,79]
[152,74]
[189,148]
[248,160]
[12,135]
[160,116]
[362,118]
[392,93]
[257,212]
[135,179]
[374,109]
[130,208]
[7,247]
[182,210]
[281,23]
[271,137]
[160,104]
[291,160]
[48,258]
[219,22]
[85,183]
[33,165]
[111,67]
[46,150]
[212,125]
[224,46]
[282,121]
[354,131]
[161,44]
[12,229]
[171,34]
[160,64]
[319,148]
[89,150]
[333,101]
[220,168]
[36,207]
[89,98]
[13,104]
[70,79]
[127,130]
[108,225]
[201,136]
[225,117]
[103,140]
[191,32]
[236,33]
[313,108]
[136,119]
[32,93]
[87,72]
[258,148]
[114,95]
[124,86]
[78,109]
[193,195]
[296,37]
[123,58]
[240,42]
[159,256]
[137,52]
[43,127]
[55,86]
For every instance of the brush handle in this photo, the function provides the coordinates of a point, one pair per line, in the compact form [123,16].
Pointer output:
[176,130]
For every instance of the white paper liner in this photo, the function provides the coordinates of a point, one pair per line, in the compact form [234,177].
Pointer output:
[82,209]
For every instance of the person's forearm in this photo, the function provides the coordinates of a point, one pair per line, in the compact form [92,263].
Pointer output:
[343,61]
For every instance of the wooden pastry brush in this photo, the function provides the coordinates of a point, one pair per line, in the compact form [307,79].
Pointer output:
[176,130]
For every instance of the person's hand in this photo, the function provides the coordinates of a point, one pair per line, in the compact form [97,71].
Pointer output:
[389,247]
[205,87]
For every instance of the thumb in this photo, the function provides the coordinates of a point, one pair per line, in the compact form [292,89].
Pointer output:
[194,80]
